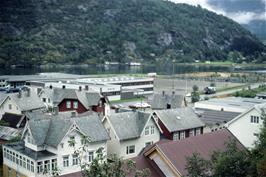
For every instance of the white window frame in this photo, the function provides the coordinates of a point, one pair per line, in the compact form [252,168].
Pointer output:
[54,164]
[182,135]
[130,149]
[90,156]
[175,136]
[147,130]
[148,143]
[39,167]
[75,159]
[66,161]
[198,131]
[68,104]
[152,129]
[75,104]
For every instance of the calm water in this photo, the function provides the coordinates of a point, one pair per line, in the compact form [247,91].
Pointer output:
[121,69]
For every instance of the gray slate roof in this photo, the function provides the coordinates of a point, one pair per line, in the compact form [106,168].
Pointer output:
[50,131]
[87,98]
[179,119]
[27,102]
[160,101]
[211,117]
[129,125]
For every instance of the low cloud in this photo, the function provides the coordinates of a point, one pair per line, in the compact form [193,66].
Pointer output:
[242,17]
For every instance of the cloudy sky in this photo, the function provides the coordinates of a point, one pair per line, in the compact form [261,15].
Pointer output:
[242,11]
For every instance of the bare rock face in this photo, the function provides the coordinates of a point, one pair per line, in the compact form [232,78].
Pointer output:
[165,39]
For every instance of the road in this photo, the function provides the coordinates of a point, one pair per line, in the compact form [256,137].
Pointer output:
[227,92]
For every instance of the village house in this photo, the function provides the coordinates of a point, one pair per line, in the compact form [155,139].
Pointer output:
[80,100]
[169,158]
[179,123]
[45,147]
[246,126]
[166,101]
[130,132]
[21,102]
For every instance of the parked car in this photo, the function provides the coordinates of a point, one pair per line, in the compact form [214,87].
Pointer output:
[210,90]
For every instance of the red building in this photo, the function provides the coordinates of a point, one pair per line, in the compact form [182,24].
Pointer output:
[179,123]
[75,100]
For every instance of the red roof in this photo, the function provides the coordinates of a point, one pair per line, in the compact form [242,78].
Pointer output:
[205,144]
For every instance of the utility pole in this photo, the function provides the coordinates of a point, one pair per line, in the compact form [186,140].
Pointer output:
[173,70]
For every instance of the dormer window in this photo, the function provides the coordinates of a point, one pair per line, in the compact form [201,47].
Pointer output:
[68,104]
[75,105]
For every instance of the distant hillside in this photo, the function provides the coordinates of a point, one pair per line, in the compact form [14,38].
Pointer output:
[34,32]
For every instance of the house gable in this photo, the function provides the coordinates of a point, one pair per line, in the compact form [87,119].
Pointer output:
[63,106]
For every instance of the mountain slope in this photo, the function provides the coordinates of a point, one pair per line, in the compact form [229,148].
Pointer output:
[94,31]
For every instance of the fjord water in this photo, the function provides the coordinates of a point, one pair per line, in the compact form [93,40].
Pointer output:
[165,69]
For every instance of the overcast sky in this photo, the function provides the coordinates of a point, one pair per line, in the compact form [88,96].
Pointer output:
[242,11]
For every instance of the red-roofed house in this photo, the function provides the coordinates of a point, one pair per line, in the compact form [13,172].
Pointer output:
[169,158]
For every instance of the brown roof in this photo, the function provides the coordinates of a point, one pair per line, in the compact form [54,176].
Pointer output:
[76,174]
[143,162]
[205,144]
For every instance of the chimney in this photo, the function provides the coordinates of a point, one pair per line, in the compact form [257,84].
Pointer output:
[101,90]
[19,94]
[173,92]
[86,87]
[28,92]
[51,87]
[80,88]
[163,93]
[63,86]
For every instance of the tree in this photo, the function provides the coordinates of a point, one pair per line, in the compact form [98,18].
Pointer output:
[195,96]
[101,166]
[231,162]
[197,166]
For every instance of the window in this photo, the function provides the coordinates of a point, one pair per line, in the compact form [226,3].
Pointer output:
[147,130]
[65,161]
[131,149]
[191,132]
[254,119]
[17,159]
[49,100]
[75,159]
[152,129]
[10,106]
[31,166]
[256,134]
[175,136]
[28,164]
[68,104]
[39,167]
[46,166]
[198,131]
[90,156]
[148,143]
[20,160]
[182,135]
[44,99]
[54,164]
[24,162]
[75,105]
[62,145]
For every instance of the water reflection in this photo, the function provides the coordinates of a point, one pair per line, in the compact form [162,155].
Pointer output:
[167,68]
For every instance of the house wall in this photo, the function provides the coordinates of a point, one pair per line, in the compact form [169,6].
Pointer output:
[5,107]
[66,149]
[244,130]
[139,142]
[63,107]
[113,145]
